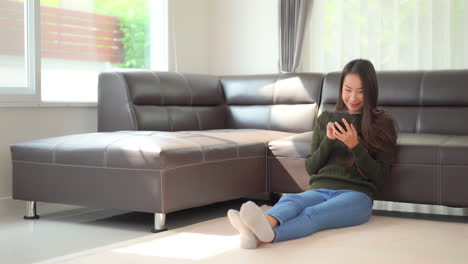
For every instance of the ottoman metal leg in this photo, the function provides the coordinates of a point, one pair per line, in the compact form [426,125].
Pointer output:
[31,210]
[159,223]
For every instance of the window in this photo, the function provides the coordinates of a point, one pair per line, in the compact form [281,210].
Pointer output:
[13,48]
[17,55]
[78,40]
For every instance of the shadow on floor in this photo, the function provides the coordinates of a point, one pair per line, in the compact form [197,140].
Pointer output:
[139,221]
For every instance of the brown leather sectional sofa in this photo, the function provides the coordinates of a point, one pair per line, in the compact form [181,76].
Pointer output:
[170,141]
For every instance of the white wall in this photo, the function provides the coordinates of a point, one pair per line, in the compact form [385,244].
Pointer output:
[224,37]
[243,37]
[189,36]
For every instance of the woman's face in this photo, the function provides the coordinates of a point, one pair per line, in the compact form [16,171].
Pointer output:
[353,93]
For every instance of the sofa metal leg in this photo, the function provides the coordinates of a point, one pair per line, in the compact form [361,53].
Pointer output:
[159,223]
[31,210]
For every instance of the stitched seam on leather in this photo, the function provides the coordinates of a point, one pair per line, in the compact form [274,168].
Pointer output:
[189,87]
[439,178]
[269,116]
[162,87]
[232,143]
[163,97]
[414,164]
[186,140]
[274,102]
[267,182]
[84,166]
[214,161]
[169,119]
[440,169]
[198,119]
[116,168]
[160,160]
[161,187]
[191,101]
[54,150]
[274,89]
[130,108]
[104,163]
[418,122]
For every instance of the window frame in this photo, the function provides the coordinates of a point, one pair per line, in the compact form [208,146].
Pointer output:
[30,96]
[31,92]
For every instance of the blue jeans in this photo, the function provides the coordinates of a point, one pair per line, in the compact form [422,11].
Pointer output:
[303,214]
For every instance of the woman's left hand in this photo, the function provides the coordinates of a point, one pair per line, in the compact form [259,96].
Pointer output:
[349,136]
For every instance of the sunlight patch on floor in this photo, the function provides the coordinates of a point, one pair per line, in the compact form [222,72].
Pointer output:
[184,246]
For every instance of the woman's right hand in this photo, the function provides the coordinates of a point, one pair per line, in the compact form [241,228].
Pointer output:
[330,131]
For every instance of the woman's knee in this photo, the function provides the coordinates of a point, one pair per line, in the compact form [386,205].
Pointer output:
[363,197]
[353,209]
[361,202]
[362,210]
[294,197]
[363,213]
[308,197]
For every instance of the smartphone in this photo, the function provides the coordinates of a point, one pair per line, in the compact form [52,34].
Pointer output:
[337,117]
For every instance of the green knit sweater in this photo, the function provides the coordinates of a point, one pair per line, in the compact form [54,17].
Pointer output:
[323,163]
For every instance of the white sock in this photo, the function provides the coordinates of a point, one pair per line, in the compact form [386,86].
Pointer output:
[255,220]
[247,238]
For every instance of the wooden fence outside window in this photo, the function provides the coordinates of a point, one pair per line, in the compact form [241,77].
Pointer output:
[65,34]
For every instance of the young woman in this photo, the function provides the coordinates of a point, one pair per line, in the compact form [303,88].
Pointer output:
[346,166]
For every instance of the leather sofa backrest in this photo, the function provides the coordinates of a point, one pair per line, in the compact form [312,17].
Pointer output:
[161,101]
[282,102]
[421,101]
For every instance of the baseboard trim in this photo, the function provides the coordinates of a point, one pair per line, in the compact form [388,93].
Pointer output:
[419,208]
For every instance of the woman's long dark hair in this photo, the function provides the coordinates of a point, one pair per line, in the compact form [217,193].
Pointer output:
[378,129]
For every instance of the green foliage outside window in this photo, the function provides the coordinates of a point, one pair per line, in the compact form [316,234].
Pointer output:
[134,17]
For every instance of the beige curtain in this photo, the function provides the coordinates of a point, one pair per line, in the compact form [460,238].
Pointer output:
[292,17]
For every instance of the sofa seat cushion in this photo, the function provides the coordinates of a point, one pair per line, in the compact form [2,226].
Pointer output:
[432,149]
[146,149]
[413,148]
[454,151]
[422,149]
[435,162]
